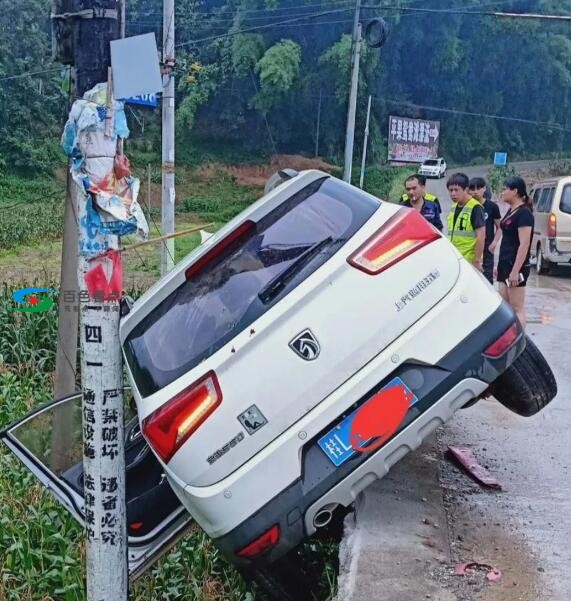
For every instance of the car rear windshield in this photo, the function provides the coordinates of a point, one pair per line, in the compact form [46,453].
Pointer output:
[430,163]
[565,205]
[229,293]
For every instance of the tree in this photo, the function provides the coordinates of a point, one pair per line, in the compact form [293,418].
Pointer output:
[278,70]
[32,108]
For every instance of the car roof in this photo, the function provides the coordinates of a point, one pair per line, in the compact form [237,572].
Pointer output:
[553,181]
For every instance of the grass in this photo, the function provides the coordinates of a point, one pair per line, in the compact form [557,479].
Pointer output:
[42,556]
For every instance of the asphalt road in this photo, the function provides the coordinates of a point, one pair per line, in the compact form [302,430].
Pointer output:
[427,516]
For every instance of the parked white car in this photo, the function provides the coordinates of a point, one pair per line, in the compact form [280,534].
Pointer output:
[433,168]
[291,360]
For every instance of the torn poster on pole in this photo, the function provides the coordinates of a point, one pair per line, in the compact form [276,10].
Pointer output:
[111,205]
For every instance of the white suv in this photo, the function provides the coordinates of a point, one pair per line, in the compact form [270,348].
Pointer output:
[433,168]
[292,359]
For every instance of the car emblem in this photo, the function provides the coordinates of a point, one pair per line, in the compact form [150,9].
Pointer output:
[305,345]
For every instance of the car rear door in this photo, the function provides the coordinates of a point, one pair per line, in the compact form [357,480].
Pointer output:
[155,517]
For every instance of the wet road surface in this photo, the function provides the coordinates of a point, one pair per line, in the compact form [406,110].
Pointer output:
[524,530]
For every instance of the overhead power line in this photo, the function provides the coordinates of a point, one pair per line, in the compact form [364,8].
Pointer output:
[547,125]
[30,74]
[456,11]
[258,27]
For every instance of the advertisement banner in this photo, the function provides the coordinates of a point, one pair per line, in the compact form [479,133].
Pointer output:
[412,140]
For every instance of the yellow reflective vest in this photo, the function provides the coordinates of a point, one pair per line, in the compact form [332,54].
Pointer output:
[461,233]
[427,197]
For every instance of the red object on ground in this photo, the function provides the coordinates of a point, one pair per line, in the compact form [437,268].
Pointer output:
[493,574]
[380,418]
[465,457]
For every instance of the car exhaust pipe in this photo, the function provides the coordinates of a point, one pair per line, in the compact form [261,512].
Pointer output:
[324,515]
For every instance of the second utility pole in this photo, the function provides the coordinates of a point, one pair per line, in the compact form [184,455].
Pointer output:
[352,110]
[168,159]
[365,142]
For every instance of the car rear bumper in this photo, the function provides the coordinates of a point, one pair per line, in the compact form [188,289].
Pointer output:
[555,254]
[462,375]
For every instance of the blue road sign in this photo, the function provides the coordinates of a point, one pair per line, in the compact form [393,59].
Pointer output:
[500,159]
[144,100]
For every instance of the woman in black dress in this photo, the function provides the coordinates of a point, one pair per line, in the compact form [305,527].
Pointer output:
[516,230]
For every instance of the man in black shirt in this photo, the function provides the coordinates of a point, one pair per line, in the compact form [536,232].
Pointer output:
[480,191]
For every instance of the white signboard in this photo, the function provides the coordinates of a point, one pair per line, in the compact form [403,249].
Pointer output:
[413,140]
[135,63]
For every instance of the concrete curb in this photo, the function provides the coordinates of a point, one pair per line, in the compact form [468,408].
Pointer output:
[397,537]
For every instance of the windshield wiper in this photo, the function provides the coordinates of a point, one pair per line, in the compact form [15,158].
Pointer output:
[276,285]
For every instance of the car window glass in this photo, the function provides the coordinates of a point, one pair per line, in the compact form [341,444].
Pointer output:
[211,308]
[565,204]
[544,201]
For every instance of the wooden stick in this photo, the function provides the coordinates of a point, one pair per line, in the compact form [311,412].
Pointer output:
[162,238]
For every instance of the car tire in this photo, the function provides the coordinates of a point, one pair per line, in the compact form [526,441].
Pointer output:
[528,385]
[542,264]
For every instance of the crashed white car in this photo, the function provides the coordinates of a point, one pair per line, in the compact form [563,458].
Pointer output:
[433,168]
[291,360]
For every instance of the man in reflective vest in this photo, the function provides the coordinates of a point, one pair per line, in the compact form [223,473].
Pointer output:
[425,203]
[466,221]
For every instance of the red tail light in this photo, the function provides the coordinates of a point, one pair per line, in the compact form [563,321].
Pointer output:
[403,234]
[503,343]
[552,226]
[261,544]
[241,232]
[169,427]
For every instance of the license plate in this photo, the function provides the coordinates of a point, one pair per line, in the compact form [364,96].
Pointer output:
[336,444]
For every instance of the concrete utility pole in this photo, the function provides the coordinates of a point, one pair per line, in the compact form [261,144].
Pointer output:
[318,124]
[352,110]
[85,29]
[168,170]
[365,141]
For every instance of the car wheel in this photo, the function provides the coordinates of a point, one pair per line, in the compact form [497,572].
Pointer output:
[542,264]
[528,385]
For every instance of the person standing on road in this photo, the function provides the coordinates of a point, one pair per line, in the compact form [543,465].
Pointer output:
[418,198]
[466,221]
[516,230]
[480,191]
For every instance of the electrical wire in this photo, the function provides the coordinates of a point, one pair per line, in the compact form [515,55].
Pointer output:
[456,11]
[554,126]
[258,27]
[30,74]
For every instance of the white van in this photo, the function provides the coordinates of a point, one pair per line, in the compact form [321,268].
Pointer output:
[551,244]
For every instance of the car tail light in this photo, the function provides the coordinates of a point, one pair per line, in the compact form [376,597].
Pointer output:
[169,427]
[503,343]
[261,544]
[241,232]
[403,234]
[552,226]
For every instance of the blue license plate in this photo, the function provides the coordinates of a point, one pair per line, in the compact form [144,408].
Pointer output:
[336,444]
